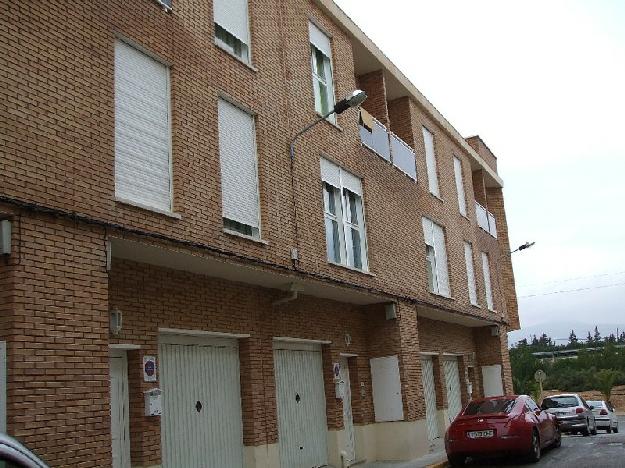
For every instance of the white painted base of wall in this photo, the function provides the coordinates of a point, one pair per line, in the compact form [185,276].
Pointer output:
[261,456]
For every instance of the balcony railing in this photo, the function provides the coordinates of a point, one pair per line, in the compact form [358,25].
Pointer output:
[485,220]
[389,146]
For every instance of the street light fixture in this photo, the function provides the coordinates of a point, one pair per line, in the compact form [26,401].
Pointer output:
[353,100]
[527,245]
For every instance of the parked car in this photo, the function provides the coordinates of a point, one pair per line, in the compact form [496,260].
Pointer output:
[501,425]
[605,415]
[13,454]
[573,413]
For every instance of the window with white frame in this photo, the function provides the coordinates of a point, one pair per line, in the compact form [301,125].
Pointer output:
[142,129]
[239,171]
[344,217]
[430,161]
[462,202]
[436,257]
[487,281]
[232,31]
[321,62]
[468,260]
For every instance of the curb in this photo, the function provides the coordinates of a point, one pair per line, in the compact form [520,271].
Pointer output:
[440,464]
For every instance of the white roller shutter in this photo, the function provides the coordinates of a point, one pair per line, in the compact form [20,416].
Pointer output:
[429,392]
[142,129]
[330,173]
[386,383]
[319,40]
[468,259]
[427,231]
[493,384]
[462,203]
[452,382]
[487,283]
[233,17]
[442,274]
[351,182]
[430,161]
[239,172]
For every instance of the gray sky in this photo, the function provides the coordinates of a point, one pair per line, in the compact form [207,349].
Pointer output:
[543,83]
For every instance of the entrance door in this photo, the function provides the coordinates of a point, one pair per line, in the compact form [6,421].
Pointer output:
[348,419]
[120,427]
[302,425]
[201,422]
[429,392]
[452,382]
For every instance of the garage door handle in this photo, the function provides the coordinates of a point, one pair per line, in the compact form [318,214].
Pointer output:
[198,406]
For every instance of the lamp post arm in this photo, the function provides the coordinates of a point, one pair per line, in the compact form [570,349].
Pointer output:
[305,129]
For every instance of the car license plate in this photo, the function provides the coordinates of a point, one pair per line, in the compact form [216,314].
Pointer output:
[480,434]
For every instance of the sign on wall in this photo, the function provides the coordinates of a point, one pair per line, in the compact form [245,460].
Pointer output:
[149,368]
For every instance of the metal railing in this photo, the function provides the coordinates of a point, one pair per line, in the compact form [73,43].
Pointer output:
[390,147]
[485,220]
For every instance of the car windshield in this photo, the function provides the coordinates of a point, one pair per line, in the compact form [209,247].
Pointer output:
[560,402]
[501,405]
[596,404]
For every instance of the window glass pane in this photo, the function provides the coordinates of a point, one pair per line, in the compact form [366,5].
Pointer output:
[431,268]
[323,98]
[241,228]
[230,42]
[329,196]
[333,241]
[320,63]
[357,248]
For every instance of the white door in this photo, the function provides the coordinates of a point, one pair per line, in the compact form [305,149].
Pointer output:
[429,391]
[201,423]
[491,376]
[120,427]
[452,383]
[348,419]
[302,425]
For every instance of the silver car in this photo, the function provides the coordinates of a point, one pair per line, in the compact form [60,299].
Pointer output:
[572,412]
[605,415]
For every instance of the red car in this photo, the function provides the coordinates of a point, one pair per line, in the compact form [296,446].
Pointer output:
[501,425]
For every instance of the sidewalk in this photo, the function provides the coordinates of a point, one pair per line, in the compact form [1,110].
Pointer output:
[437,458]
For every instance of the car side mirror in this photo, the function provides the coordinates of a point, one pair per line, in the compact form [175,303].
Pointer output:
[591,407]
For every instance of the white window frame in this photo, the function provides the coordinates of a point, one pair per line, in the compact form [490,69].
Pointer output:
[345,225]
[440,259]
[336,217]
[327,80]
[470,268]
[430,162]
[458,175]
[488,288]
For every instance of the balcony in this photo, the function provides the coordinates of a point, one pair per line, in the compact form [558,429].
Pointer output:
[485,220]
[389,146]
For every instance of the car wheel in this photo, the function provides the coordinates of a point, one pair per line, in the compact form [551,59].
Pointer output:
[609,430]
[456,460]
[594,429]
[557,441]
[615,429]
[586,430]
[534,454]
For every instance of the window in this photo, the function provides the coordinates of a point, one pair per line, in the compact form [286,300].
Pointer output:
[344,217]
[436,257]
[321,62]
[462,203]
[468,259]
[232,27]
[239,172]
[142,129]
[430,161]
[487,284]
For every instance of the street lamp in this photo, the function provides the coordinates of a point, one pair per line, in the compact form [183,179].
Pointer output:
[527,245]
[353,100]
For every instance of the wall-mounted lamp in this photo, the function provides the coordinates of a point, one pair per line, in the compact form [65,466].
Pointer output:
[116,321]
[5,237]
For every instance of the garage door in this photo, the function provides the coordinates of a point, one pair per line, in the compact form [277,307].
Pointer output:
[452,382]
[430,397]
[201,422]
[302,427]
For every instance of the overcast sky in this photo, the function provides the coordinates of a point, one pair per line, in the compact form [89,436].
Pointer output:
[543,83]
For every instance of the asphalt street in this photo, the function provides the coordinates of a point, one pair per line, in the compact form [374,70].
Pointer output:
[600,451]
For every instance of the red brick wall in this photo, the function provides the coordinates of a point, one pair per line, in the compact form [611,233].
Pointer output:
[484,151]
[374,85]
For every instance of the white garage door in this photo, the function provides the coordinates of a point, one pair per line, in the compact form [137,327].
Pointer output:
[430,397]
[302,426]
[201,422]
[452,382]
[491,376]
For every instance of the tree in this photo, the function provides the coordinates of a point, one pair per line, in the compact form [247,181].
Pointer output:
[605,381]
[573,339]
[597,336]
[589,339]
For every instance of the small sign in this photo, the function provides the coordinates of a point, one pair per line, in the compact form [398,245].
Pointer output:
[540,375]
[149,368]
[336,370]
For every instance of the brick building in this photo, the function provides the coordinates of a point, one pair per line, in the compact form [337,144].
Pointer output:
[332,307]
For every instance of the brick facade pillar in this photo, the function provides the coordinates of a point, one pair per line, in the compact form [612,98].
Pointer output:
[439,382]
[58,376]
[374,85]
[493,350]
[479,187]
[410,363]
